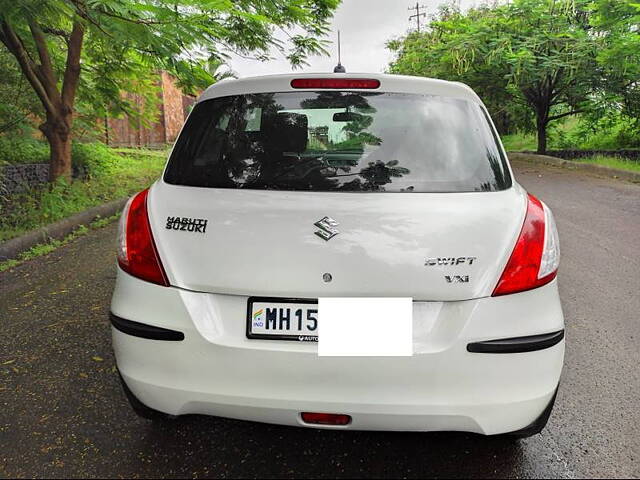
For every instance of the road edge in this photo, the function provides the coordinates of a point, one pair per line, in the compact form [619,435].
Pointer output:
[616,173]
[12,248]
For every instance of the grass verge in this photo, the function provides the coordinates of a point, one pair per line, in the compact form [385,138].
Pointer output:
[612,162]
[111,176]
[45,248]
[519,142]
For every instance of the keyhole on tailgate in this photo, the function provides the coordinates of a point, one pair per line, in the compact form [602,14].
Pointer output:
[327,277]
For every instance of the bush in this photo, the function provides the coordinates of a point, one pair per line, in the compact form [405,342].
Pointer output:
[93,159]
[37,207]
[87,158]
[612,132]
[23,150]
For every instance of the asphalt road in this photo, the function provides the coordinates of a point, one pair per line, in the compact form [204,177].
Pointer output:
[63,414]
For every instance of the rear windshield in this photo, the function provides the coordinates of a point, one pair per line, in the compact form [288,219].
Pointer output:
[339,141]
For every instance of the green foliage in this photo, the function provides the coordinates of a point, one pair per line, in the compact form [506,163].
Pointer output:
[95,159]
[618,24]
[91,158]
[610,131]
[613,132]
[17,99]
[93,51]
[448,49]
[125,41]
[27,210]
[534,59]
[16,150]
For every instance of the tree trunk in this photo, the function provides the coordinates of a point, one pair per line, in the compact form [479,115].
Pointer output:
[59,138]
[58,103]
[541,125]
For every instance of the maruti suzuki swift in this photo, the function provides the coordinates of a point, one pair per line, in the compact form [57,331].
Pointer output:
[283,190]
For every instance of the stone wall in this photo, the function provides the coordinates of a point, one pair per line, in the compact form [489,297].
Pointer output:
[577,154]
[17,178]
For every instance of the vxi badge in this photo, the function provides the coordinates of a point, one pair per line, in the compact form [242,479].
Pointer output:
[327,226]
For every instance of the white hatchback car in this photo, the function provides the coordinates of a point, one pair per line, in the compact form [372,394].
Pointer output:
[282,190]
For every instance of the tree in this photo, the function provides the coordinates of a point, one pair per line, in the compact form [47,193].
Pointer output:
[617,26]
[17,99]
[538,54]
[436,52]
[101,46]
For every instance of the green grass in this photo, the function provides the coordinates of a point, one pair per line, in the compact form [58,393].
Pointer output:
[141,151]
[519,142]
[45,248]
[613,162]
[110,178]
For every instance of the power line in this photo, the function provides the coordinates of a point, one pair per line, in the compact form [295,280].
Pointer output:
[417,15]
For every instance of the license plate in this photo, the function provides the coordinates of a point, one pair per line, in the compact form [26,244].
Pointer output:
[282,319]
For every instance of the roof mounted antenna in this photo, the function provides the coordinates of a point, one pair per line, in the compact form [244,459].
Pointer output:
[339,68]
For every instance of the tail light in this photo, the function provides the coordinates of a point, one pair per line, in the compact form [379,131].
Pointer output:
[536,256]
[344,83]
[137,253]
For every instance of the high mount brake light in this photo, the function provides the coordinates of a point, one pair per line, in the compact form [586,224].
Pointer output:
[342,83]
[535,258]
[137,253]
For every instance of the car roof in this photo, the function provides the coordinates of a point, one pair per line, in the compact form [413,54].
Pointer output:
[388,83]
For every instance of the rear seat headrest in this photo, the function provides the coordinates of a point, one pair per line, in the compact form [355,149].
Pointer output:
[285,131]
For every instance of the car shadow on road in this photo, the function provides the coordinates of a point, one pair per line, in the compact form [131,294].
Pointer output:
[198,445]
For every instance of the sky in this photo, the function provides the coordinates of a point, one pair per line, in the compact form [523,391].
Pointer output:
[365,26]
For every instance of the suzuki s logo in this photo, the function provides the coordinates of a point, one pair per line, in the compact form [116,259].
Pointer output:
[327,227]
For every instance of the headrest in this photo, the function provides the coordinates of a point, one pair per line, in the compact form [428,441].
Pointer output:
[285,131]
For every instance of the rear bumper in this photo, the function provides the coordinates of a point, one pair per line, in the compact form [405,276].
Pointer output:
[216,370]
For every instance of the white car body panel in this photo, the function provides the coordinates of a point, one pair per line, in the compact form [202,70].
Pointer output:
[388,83]
[262,243]
[381,250]
[216,370]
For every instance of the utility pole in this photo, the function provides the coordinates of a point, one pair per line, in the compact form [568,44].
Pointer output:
[417,15]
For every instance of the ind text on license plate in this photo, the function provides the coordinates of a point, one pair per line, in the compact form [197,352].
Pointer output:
[282,319]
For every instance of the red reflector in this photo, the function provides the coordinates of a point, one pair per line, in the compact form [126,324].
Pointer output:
[326,418]
[139,256]
[335,83]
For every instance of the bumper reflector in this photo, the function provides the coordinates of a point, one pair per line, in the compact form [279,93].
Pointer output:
[531,343]
[325,418]
[143,330]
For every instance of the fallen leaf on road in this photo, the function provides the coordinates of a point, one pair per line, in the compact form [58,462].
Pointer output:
[98,359]
[9,362]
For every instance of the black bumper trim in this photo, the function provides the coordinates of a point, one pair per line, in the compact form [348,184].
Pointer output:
[143,330]
[517,344]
